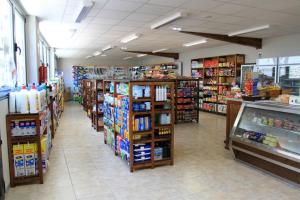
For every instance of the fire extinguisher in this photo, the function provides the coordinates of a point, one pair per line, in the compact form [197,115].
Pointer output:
[45,73]
[41,73]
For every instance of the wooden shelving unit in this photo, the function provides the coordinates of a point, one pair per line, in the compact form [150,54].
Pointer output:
[186,100]
[30,164]
[216,74]
[87,96]
[140,129]
[56,104]
[98,98]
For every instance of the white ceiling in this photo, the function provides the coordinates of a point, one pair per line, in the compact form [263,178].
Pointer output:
[111,20]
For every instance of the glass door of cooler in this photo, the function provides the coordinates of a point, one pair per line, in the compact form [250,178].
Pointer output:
[265,71]
[289,75]
[264,127]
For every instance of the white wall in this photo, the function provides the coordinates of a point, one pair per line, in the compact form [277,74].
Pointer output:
[278,46]
[3,113]
[32,53]
[65,66]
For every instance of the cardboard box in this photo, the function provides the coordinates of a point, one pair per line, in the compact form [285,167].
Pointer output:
[19,164]
[29,157]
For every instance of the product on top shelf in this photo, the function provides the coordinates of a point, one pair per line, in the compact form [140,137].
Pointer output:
[161,93]
[28,101]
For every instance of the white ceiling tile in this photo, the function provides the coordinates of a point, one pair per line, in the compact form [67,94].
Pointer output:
[112,14]
[98,28]
[293,10]
[229,8]
[94,12]
[105,21]
[70,10]
[68,19]
[172,3]
[203,5]
[228,19]
[155,9]
[131,23]
[274,5]
[141,17]
[122,5]
[123,28]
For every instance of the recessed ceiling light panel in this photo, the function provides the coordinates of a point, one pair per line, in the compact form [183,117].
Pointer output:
[159,50]
[195,43]
[168,20]
[141,55]
[130,38]
[258,28]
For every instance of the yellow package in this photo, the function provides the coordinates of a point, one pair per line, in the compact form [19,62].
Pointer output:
[29,157]
[19,164]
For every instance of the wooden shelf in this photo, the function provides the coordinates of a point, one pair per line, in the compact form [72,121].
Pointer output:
[142,100]
[233,63]
[142,132]
[34,139]
[146,137]
[141,113]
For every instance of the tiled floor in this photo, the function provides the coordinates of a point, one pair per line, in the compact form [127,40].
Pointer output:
[83,168]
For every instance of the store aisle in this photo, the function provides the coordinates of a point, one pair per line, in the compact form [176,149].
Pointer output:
[82,167]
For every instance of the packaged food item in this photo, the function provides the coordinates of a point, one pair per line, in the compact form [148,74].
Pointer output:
[278,123]
[29,158]
[271,122]
[19,164]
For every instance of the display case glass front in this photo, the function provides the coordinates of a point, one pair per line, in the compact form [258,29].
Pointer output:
[269,126]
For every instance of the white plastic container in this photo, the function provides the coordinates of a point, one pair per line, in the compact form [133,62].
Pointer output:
[12,101]
[22,100]
[34,100]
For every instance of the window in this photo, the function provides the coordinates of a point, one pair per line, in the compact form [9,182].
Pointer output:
[12,38]
[45,56]
[20,53]
[7,66]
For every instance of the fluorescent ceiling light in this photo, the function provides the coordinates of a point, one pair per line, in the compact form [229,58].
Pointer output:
[258,28]
[84,10]
[109,47]
[168,20]
[96,53]
[141,55]
[195,43]
[130,38]
[126,58]
[159,50]
[176,28]
[88,57]
[103,55]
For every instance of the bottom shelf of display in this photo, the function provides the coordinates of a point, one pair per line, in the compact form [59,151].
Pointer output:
[275,164]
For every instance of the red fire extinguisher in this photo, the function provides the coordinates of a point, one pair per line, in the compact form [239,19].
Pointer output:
[45,73]
[41,73]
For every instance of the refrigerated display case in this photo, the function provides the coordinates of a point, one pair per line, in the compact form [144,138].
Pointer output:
[267,135]
[289,74]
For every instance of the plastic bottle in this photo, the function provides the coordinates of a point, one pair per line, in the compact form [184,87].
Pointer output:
[156,93]
[33,100]
[12,101]
[22,100]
